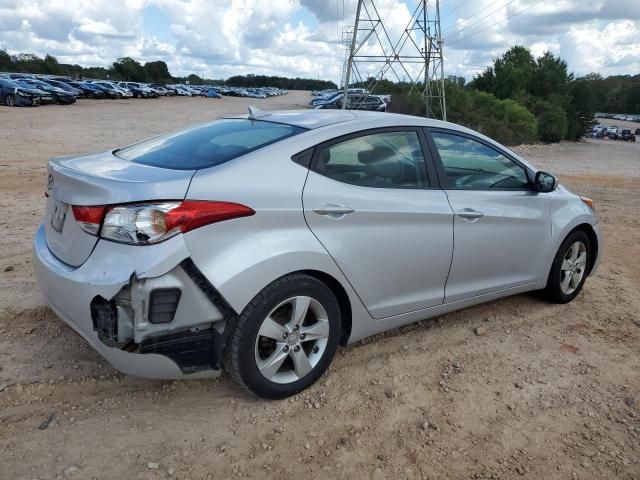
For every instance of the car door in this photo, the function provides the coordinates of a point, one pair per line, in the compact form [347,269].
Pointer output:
[369,200]
[502,227]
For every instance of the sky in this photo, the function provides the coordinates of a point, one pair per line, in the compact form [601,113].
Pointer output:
[220,38]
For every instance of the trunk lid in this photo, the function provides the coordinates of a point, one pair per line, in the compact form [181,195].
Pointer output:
[100,179]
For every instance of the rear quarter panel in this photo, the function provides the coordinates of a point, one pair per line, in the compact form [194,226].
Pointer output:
[242,256]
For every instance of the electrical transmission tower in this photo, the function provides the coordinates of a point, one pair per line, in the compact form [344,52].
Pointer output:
[414,56]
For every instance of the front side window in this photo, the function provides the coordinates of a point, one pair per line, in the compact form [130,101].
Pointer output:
[471,165]
[207,145]
[381,160]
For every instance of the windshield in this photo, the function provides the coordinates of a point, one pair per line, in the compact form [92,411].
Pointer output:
[22,84]
[207,145]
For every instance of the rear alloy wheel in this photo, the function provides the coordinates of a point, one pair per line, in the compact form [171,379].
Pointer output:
[570,268]
[285,338]
[292,339]
[9,100]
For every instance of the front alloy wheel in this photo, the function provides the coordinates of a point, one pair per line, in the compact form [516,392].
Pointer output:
[285,338]
[9,100]
[570,268]
[573,267]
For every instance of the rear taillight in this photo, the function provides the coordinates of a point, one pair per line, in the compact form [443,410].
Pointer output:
[89,218]
[146,223]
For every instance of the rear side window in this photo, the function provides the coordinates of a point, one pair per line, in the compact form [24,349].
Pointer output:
[380,160]
[207,145]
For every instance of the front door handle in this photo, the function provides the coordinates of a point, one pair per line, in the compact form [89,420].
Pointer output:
[469,214]
[333,210]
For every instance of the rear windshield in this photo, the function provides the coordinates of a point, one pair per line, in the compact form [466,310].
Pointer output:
[207,145]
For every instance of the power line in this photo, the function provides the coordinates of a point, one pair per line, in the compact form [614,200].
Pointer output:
[483,18]
[460,5]
[497,23]
[482,10]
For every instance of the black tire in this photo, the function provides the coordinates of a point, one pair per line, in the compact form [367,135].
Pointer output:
[553,291]
[240,358]
[9,100]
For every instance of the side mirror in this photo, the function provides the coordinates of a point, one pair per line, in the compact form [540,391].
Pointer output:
[545,182]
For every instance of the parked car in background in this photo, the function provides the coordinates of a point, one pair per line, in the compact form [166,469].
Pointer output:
[371,103]
[626,135]
[108,90]
[13,95]
[45,97]
[90,90]
[139,90]
[160,90]
[114,90]
[182,91]
[59,95]
[212,93]
[78,93]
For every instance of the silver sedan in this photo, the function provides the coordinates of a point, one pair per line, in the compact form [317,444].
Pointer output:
[261,243]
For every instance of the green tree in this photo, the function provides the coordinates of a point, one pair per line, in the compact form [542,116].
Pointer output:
[51,65]
[549,77]
[552,121]
[580,111]
[513,72]
[6,62]
[157,72]
[128,69]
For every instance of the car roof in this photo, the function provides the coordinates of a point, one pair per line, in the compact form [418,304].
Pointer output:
[312,119]
[357,120]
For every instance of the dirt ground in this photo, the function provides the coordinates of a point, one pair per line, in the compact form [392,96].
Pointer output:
[546,391]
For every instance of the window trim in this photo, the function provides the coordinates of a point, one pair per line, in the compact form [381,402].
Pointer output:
[432,181]
[442,176]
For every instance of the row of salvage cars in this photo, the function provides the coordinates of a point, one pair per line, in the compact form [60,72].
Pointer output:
[22,89]
[357,99]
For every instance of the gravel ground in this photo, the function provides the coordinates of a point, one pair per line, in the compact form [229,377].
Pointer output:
[512,389]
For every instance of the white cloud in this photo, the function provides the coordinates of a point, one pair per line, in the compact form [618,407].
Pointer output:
[301,37]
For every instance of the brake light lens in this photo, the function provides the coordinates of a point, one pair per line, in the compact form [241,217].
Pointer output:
[146,223]
[89,218]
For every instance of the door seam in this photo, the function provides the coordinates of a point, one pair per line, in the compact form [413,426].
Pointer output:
[453,246]
[304,216]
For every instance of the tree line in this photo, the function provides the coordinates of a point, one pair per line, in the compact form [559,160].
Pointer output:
[521,99]
[129,69]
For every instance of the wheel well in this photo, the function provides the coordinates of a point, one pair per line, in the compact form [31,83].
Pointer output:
[343,301]
[593,239]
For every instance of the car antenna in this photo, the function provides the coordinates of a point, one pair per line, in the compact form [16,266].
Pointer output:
[255,112]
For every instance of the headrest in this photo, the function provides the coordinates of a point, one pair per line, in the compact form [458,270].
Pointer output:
[376,154]
[325,157]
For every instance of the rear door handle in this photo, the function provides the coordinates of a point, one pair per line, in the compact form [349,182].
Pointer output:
[469,214]
[332,210]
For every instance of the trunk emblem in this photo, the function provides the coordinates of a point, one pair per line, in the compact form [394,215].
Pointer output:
[50,182]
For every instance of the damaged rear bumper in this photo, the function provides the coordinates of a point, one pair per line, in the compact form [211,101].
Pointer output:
[147,310]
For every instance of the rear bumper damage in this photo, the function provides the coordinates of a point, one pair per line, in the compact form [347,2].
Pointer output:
[147,310]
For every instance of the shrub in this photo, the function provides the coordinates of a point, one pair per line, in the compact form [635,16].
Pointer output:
[552,121]
[503,120]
